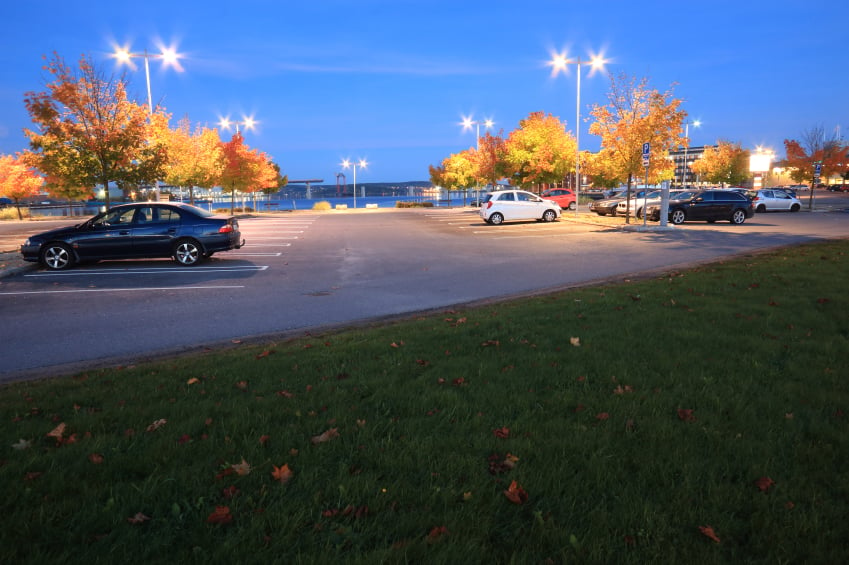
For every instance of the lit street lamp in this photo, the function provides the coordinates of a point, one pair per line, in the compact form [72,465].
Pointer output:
[346,164]
[248,122]
[468,122]
[169,58]
[559,63]
[686,166]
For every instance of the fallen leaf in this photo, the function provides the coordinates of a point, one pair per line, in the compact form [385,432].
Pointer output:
[95,458]
[576,341]
[708,531]
[243,468]
[193,381]
[502,433]
[156,425]
[32,475]
[221,515]
[325,436]
[282,474]
[516,494]
[601,416]
[265,353]
[764,483]
[264,439]
[139,518]
[57,432]
[436,533]
[22,444]
[686,415]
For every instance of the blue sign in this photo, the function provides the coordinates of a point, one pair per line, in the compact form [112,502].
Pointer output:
[646,153]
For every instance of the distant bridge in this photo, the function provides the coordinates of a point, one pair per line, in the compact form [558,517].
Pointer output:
[306,182]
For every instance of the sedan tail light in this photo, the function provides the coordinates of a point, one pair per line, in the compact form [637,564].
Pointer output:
[226,228]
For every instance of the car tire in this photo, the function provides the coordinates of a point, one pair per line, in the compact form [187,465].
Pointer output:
[738,216]
[760,208]
[678,216]
[572,205]
[549,216]
[57,256]
[639,213]
[795,208]
[496,219]
[187,252]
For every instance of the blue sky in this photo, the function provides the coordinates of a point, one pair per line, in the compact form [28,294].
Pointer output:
[390,80]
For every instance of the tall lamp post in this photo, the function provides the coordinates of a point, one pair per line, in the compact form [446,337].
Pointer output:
[467,124]
[249,123]
[559,62]
[169,58]
[686,165]
[347,164]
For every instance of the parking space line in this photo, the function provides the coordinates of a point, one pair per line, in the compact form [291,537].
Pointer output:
[145,289]
[152,270]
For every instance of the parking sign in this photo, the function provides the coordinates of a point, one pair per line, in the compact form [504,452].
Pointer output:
[646,153]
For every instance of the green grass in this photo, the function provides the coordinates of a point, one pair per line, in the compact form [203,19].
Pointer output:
[675,397]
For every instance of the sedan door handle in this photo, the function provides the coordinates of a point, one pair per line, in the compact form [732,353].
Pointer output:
[126,232]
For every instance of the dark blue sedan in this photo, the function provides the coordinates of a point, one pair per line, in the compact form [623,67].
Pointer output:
[133,231]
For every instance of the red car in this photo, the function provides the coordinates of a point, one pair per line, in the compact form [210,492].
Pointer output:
[564,197]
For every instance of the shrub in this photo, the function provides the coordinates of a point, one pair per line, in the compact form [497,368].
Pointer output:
[400,204]
[322,205]
[11,213]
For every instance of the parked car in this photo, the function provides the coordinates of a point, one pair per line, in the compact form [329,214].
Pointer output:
[608,205]
[707,205]
[506,205]
[768,200]
[637,205]
[838,187]
[143,230]
[564,197]
[5,202]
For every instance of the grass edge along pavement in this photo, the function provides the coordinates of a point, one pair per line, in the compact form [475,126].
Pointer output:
[699,416]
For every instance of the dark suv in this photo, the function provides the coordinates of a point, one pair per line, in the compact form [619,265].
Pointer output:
[709,205]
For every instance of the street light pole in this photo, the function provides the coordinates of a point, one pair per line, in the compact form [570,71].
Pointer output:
[346,164]
[467,123]
[684,168]
[559,63]
[169,57]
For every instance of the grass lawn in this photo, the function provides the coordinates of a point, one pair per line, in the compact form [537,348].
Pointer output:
[701,416]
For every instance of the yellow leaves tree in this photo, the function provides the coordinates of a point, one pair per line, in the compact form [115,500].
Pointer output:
[635,115]
[727,163]
[88,133]
[18,180]
[195,158]
[459,170]
[539,151]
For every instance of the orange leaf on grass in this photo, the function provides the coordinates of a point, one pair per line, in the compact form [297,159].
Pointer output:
[57,432]
[502,433]
[764,483]
[265,353]
[516,494]
[686,415]
[325,436]
[283,474]
[95,458]
[436,532]
[242,469]
[708,531]
[221,515]
[139,518]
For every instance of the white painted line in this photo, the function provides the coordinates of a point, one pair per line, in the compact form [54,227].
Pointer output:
[151,270]
[267,245]
[242,254]
[146,289]
[283,237]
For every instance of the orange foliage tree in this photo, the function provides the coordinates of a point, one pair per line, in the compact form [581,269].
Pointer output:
[538,151]
[18,180]
[88,133]
[635,115]
[727,163]
[245,169]
[195,158]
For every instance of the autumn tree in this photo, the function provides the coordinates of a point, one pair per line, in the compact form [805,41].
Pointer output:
[195,158]
[634,115]
[538,151]
[18,180]
[88,133]
[603,168]
[245,169]
[489,162]
[727,163]
[459,170]
[815,147]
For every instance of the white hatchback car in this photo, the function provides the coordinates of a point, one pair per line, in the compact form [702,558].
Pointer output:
[506,205]
[770,200]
